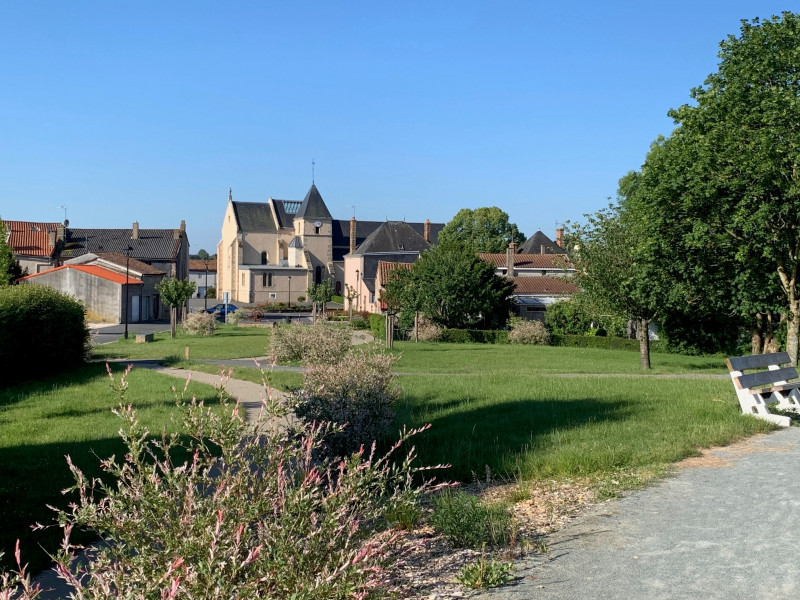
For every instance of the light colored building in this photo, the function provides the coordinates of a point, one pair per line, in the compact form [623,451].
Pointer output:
[35,245]
[203,273]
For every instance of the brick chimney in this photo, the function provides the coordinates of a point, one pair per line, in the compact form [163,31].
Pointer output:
[135,231]
[183,225]
[560,237]
[510,252]
[352,235]
[61,233]
[543,249]
[427,234]
[52,238]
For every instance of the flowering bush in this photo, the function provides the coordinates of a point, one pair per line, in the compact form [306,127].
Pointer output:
[201,323]
[317,344]
[356,392]
[229,509]
[427,330]
[524,331]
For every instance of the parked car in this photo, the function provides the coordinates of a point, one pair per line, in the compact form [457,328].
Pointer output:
[221,310]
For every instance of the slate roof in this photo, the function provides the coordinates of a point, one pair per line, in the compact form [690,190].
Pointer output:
[393,236]
[253,216]
[544,286]
[285,211]
[198,264]
[152,245]
[137,266]
[313,206]
[533,245]
[341,235]
[529,261]
[94,270]
[30,239]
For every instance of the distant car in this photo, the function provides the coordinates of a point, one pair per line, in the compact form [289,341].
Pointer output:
[220,310]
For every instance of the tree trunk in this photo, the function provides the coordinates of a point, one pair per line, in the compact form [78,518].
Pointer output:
[770,341]
[644,343]
[173,321]
[792,326]
[416,326]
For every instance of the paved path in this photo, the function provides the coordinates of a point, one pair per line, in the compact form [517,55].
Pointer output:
[727,527]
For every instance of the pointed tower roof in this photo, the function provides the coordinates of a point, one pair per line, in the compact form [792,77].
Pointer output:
[393,236]
[533,245]
[313,206]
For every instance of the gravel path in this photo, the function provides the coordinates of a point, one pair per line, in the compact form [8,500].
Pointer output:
[726,527]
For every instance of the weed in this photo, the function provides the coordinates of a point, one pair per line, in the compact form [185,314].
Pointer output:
[467,522]
[485,573]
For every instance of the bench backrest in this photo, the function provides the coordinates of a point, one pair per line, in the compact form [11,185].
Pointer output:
[775,374]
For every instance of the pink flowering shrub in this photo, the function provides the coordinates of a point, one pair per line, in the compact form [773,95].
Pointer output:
[319,343]
[355,392]
[524,331]
[201,323]
[228,509]
[17,584]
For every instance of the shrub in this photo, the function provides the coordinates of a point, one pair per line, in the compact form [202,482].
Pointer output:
[428,331]
[467,522]
[473,336]
[356,392]
[605,343]
[485,573]
[524,331]
[377,324]
[215,526]
[319,343]
[40,325]
[359,323]
[201,323]
[211,292]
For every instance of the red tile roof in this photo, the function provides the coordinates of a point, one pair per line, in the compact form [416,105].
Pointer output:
[385,267]
[543,286]
[198,264]
[529,261]
[31,239]
[92,270]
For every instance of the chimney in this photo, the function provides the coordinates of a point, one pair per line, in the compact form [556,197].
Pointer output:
[427,235]
[52,236]
[510,252]
[135,231]
[61,233]
[352,235]
[560,237]
[183,225]
[543,250]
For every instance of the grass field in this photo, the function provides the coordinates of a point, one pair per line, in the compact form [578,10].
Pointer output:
[41,422]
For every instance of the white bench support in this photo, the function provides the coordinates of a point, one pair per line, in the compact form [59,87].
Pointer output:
[758,391]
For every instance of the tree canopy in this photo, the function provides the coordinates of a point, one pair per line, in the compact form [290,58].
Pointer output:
[485,229]
[454,288]
[10,269]
[175,292]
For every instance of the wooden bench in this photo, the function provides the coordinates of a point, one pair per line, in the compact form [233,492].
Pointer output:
[758,390]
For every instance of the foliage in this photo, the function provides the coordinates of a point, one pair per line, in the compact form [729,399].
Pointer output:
[614,267]
[360,323]
[377,325]
[211,292]
[575,317]
[453,288]
[468,522]
[175,292]
[201,323]
[214,526]
[604,342]
[524,331]
[485,573]
[10,269]
[202,254]
[320,294]
[428,331]
[40,325]
[18,583]
[356,392]
[472,336]
[485,229]
[319,343]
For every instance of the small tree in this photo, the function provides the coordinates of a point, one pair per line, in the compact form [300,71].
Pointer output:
[350,294]
[320,294]
[10,269]
[485,229]
[175,292]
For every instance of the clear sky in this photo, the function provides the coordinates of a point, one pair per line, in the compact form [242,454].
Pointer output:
[150,111]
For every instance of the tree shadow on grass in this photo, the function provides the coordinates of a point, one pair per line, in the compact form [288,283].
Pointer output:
[494,434]
[45,383]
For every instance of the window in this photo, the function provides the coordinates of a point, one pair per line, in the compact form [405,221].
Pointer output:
[273,296]
[266,280]
[264,257]
[316,230]
[318,275]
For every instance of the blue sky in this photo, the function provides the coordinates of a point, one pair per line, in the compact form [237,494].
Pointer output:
[150,111]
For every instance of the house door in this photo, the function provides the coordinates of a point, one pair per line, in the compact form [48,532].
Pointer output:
[135,309]
[146,308]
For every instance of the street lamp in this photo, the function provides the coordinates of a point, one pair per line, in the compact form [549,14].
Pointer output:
[127,261]
[358,290]
[205,294]
[289,304]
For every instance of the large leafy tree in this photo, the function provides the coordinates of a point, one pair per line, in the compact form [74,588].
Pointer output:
[723,192]
[485,229]
[614,267]
[175,292]
[10,269]
[454,288]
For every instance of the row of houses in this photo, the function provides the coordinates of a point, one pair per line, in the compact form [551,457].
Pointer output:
[272,252]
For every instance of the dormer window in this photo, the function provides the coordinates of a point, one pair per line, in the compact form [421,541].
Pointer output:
[402,247]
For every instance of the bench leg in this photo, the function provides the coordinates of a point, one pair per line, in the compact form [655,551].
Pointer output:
[754,404]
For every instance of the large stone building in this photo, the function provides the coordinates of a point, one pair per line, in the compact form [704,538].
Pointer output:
[272,251]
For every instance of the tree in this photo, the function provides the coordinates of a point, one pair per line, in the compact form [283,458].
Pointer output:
[10,269]
[454,288]
[725,187]
[320,294]
[175,292]
[484,229]
[203,255]
[614,270]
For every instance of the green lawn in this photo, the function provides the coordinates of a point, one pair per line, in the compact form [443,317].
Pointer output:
[229,341]
[70,414]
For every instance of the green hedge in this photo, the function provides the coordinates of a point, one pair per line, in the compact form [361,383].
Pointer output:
[41,330]
[377,324]
[474,336]
[605,343]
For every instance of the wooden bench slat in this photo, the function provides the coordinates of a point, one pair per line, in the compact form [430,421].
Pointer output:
[766,377]
[757,361]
